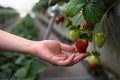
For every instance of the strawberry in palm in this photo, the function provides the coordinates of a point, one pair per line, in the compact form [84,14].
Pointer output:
[81,45]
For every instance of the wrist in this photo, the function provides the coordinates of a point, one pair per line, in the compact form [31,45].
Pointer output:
[39,49]
[30,47]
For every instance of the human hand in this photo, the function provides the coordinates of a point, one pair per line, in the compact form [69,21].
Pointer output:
[53,52]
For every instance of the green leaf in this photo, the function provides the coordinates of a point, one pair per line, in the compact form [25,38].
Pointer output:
[73,7]
[42,4]
[93,11]
[22,72]
[53,2]
[37,67]
[5,74]
[31,78]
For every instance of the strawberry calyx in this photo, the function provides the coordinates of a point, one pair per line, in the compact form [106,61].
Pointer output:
[83,34]
[96,53]
[75,27]
[88,25]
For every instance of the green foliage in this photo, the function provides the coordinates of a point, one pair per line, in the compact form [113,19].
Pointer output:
[6,16]
[75,5]
[53,2]
[42,4]
[26,28]
[18,66]
[30,70]
[92,9]
[7,13]
[6,8]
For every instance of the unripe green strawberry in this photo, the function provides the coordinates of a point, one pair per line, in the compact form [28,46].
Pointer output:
[68,22]
[100,39]
[74,34]
[81,45]
[94,62]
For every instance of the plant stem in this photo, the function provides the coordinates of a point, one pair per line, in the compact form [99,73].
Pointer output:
[101,22]
[78,18]
[94,40]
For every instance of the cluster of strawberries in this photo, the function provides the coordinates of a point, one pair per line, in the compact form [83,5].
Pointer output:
[82,37]
[59,19]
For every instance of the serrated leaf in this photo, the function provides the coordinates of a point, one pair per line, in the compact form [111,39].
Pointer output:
[73,7]
[93,11]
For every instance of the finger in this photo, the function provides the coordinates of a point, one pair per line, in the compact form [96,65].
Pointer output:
[62,56]
[67,62]
[66,47]
[79,57]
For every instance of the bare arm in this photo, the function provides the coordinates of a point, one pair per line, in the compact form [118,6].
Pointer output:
[48,50]
[10,42]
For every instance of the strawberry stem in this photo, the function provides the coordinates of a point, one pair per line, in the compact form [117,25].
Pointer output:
[103,17]
[94,40]
[78,18]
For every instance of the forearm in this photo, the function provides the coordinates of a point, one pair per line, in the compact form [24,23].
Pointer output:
[10,42]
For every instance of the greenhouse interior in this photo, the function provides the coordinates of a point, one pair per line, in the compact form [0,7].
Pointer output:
[89,26]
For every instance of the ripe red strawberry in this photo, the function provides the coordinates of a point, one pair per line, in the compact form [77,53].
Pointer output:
[88,25]
[57,20]
[81,45]
[43,11]
[94,62]
[61,17]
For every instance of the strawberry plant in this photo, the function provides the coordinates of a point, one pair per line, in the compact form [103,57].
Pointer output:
[40,6]
[7,13]
[94,13]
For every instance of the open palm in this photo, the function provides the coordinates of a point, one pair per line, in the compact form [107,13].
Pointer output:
[54,52]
